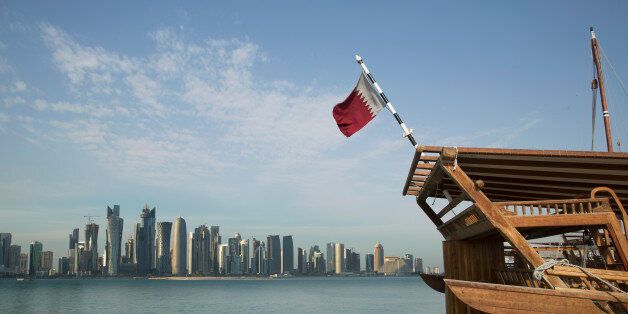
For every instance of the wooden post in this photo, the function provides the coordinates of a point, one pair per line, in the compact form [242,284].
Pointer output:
[595,49]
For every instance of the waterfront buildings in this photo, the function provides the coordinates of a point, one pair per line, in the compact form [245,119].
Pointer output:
[64,266]
[113,244]
[189,257]
[23,263]
[200,251]
[145,241]
[300,261]
[163,247]
[91,247]
[244,253]
[418,265]
[255,262]
[339,256]
[214,242]
[46,261]
[369,259]
[34,261]
[233,259]
[331,258]
[287,255]
[260,257]
[14,258]
[378,253]
[273,254]
[179,248]
[5,244]
[392,266]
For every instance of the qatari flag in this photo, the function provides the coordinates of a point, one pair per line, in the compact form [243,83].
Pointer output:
[360,107]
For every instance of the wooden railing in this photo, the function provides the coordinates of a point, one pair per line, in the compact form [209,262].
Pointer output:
[556,207]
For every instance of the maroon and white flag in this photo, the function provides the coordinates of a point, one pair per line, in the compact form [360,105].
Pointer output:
[360,107]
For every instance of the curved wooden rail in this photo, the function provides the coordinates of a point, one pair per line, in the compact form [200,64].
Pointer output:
[610,191]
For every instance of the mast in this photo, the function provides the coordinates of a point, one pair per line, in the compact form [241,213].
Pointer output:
[595,49]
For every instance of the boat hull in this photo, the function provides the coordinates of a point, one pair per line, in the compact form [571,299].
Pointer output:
[494,298]
[435,282]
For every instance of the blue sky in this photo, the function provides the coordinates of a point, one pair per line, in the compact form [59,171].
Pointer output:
[221,112]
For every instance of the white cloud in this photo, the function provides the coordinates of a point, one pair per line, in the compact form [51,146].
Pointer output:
[19,86]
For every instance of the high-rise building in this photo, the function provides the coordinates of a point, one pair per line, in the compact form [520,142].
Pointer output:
[163,247]
[378,253]
[5,244]
[300,261]
[14,258]
[274,253]
[352,261]
[189,258]
[64,266]
[287,255]
[145,241]
[244,253]
[331,258]
[214,242]
[223,253]
[91,247]
[418,265]
[129,249]
[406,267]
[46,261]
[369,259]
[34,262]
[260,257]
[233,258]
[318,262]
[179,248]
[339,256]
[200,250]
[113,245]
[23,263]
[74,238]
[436,270]
[255,260]
[392,265]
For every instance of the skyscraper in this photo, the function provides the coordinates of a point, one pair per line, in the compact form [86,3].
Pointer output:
[200,250]
[244,253]
[300,261]
[46,261]
[287,258]
[274,253]
[91,246]
[339,256]
[331,258]
[255,263]
[145,241]
[23,263]
[74,238]
[418,265]
[179,248]
[234,263]
[163,247]
[378,253]
[214,242]
[34,262]
[14,258]
[369,263]
[5,244]
[262,266]
[189,258]
[113,246]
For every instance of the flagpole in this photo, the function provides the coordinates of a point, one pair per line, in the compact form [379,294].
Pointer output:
[406,132]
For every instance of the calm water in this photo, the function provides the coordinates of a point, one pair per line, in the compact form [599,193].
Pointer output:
[289,295]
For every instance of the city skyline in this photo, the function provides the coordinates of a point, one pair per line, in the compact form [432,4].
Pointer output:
[89,257]
[223,115]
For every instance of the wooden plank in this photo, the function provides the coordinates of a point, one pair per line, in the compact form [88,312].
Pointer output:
[552,202]
[417,155]
[558,220]
[427,209]
[455,202]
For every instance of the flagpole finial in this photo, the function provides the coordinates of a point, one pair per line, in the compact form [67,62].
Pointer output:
[358,58]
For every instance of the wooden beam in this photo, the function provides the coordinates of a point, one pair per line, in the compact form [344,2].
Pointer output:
[427,209]
[558,220]
[451,205]
[494,216]
[413,165]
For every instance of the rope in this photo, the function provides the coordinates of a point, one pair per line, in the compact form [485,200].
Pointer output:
[538,272]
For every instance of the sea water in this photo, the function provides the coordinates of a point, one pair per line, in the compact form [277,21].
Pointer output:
[282,295]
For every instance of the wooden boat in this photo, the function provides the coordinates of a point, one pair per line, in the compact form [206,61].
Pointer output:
[434,281]
[494,196]
[493,298]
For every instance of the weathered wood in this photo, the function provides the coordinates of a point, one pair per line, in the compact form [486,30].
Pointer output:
[495,298]
[427,209]
[455,202]
[470,260]
[493,215]
[558,220]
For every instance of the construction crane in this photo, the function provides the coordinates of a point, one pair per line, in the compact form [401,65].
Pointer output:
[89,218]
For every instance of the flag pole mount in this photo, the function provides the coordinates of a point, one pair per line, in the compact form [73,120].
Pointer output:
[407,133]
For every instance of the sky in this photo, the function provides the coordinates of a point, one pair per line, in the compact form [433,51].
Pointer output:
[220,112]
